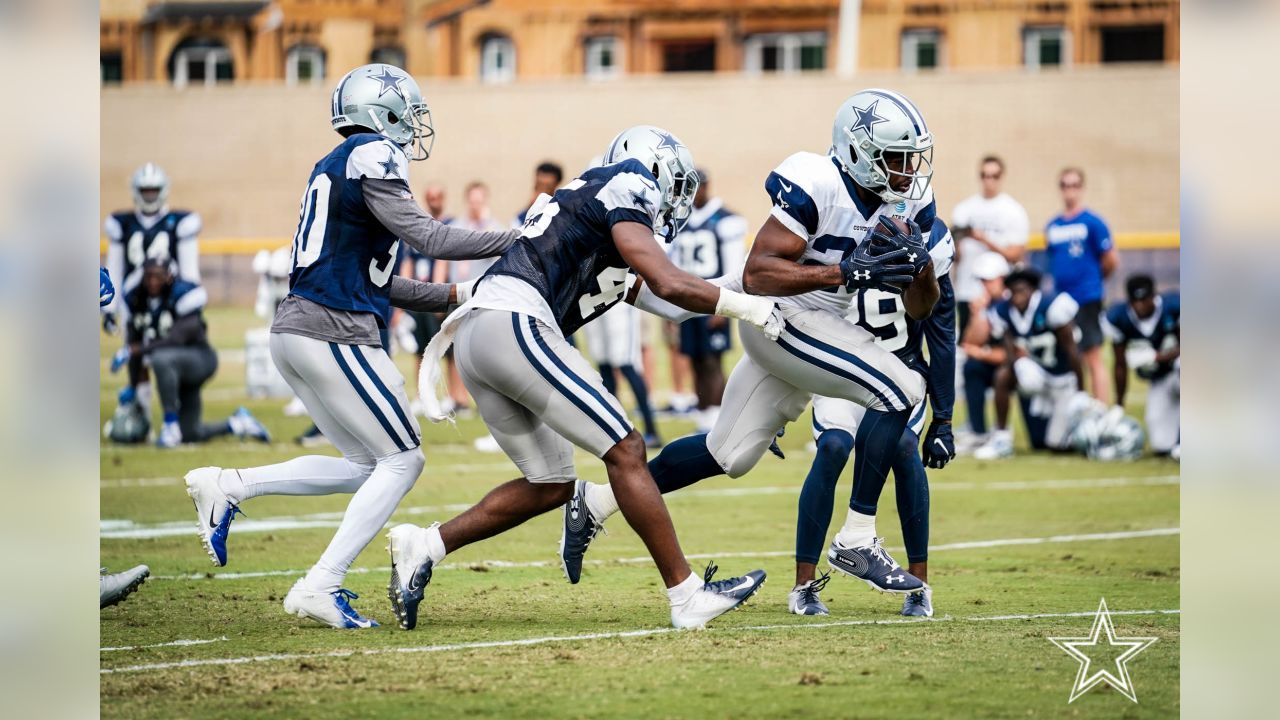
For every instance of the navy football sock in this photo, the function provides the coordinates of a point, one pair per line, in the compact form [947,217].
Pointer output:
[682,463]
[978,378]
[911,486]
[876,445]
[641,390]
[609,379]
[818,496]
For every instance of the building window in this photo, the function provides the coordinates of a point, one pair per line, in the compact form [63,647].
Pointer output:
[1133,44]
[388,56]
[1044,47]
[200,62]
[785,52]
[112,68]
[921,49]
[497,59]
[689,56]
[603,59]
[303,65]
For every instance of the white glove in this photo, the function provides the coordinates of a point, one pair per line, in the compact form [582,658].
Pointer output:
[463,290]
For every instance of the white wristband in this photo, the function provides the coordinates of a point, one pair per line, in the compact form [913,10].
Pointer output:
[751,308]
[463,291]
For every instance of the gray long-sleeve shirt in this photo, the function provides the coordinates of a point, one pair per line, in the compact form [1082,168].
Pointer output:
[393,205]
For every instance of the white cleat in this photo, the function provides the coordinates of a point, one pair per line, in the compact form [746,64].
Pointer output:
[411,566]
[116,587]
[714,599]
[214,511]
[997,447]
[332,609]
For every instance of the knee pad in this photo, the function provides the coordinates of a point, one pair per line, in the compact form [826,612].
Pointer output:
[407,464]
[740,460]
[835,444]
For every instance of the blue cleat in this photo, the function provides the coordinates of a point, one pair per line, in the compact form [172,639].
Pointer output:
[119,360]
[804,600]
[411,567]
[245,426]
[919,604]
[214,511]
[872,565]
[580,528]
[715,598]
[332,609]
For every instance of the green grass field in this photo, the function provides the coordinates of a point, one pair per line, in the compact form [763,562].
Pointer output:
[503,634]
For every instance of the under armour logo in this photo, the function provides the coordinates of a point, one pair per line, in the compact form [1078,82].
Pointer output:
[888,579]
[912,257]
[861,274]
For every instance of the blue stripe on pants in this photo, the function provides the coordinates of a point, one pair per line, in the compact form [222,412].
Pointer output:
[537,365]
[533,328]
[373,408]
[387,395]
[855,361]
[782,343]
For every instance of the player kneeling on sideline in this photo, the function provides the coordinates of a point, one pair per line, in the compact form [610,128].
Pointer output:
[849,220]
[1043,363]
[1145,332]
[537,393]
[167,330]
[835,423]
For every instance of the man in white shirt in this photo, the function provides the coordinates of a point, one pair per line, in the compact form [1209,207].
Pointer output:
[988,222]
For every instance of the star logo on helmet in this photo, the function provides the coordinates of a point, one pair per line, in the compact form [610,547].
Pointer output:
[666,140]
[390,82]
[867,119]
[390,166]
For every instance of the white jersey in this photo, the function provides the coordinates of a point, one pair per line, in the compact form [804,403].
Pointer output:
[813,198]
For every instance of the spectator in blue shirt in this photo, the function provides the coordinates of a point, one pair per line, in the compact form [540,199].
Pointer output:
[1081,256]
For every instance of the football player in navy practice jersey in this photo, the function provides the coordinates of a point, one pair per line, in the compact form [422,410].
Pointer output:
[1145,332]
[854,218]
[1043,363]
[540,397]
[149,231]
[325,339]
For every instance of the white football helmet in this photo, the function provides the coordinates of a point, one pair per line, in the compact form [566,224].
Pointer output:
[671,164]
[150,188]
[877,122]
[388,101]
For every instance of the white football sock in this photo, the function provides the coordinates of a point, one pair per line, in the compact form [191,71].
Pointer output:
[370,509]
[435,544]
[600,501]
[858,530]
[681,593]
[307,475]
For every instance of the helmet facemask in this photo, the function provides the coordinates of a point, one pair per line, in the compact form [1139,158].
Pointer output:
[916,167]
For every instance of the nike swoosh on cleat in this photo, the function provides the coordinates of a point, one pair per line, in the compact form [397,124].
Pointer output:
[212,510]
[746,583]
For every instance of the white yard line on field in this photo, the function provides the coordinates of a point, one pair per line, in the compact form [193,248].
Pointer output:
[175,643]
[205,662]
[970,545]
[125,529]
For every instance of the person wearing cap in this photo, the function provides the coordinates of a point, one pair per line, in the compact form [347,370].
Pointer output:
[989,222]
[983,355]
[1145,333]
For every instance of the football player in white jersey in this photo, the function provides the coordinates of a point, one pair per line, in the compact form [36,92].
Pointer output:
[841,222]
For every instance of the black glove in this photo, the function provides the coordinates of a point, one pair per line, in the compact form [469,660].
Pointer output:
[864,268]
[939,444]
[773,446]
[887,236]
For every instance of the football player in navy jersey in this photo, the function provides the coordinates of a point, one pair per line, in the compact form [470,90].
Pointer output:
[712,245]
[540,397]
[150,231]
[854,218]
[326,335]
[1043,363]
[835,423]
[1145,332]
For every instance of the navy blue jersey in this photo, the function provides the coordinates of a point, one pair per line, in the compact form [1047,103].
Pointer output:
[140,242]
[566,251]
[1036,330]
[712,242]
[343,257]
[151,318]
[1161,331]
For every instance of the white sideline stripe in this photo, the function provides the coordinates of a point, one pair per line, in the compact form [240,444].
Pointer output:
[601,636]
[165,481]
[175,643]
[125,529]
[1122,535]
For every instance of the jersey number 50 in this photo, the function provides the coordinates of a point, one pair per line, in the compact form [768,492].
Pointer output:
[312,222]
